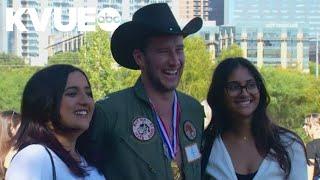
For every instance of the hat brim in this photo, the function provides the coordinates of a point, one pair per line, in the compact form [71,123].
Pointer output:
[127,37]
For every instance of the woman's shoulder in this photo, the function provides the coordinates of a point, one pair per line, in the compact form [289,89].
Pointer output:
[34,155]
[287,136]
[31,162]
[292,142]
[33,150]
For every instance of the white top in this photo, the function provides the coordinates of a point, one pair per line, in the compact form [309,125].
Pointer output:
[33,163]
[220,164]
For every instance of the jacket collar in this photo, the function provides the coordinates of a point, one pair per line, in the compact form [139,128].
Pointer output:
[140,91]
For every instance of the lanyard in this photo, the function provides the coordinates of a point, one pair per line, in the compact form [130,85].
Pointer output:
[172,146]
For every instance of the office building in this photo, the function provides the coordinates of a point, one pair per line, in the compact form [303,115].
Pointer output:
[3,33]
[264,26]
[216,11]
[193,8]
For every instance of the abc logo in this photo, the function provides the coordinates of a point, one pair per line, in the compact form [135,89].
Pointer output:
[109,19]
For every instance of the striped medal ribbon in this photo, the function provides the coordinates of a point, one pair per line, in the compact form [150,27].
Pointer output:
[172,147]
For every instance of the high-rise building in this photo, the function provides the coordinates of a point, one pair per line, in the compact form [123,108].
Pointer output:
[13,36]
[193,8]
[29,44]
[290,12]
[126,8]
[64,5]
[3,33]
[266,26]
[182,9]
[216,12]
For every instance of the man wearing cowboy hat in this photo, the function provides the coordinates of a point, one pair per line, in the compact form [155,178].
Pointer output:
[149,131]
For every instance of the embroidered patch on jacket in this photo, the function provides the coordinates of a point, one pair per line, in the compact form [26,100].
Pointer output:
[143,129]
[189,130]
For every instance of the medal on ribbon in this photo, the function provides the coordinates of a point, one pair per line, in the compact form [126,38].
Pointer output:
[175,171]
[172,146]
[166,150]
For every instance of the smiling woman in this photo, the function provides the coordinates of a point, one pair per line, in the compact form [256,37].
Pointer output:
[56,108]
[241,141]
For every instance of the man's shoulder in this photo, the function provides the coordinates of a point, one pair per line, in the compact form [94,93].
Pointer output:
[314,143]
[185,98]
[116,97]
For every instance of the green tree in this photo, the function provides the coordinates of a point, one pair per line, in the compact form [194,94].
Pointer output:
[312,67]
[96,60]
[10,60]
[233,51]
[293,96]
[198,68]
[12,84]
[64,58]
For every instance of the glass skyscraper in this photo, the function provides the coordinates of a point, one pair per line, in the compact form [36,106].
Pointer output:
[126,8]
[294,13]
[273,31]
[3,33]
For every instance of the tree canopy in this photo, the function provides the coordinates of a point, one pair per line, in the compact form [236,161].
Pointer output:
[293,94]
[64,58]
[232,51]
[10,60]
[198,68]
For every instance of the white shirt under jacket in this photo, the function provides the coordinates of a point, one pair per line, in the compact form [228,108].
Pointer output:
[220,165]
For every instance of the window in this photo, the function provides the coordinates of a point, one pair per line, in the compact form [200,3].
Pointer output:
[207,36]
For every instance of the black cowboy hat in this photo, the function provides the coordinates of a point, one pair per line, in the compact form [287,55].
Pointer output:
[151,20]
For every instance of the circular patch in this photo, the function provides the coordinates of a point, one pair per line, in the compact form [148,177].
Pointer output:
[189,130]
[143,129]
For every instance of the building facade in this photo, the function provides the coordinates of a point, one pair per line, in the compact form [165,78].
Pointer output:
[274,31]
[33,43]
[64,5]
[304,13]
[216,12]
[193,8]
[7,39]
[3,33]
[278,46]
[66,44]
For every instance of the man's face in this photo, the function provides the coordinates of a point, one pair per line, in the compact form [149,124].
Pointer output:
[162,62]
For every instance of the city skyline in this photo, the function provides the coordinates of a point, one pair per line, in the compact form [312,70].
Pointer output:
[249,17]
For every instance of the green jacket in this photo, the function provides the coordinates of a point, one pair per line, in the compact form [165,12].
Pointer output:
[123,155]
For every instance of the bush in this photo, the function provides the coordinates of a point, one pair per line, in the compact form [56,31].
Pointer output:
[10,60]
[293,96]
[64,58]
[12,84]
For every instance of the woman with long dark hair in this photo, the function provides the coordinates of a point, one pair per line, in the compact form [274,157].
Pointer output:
[57,107]
[241,141]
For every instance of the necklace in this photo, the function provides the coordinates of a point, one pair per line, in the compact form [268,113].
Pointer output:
[245,138]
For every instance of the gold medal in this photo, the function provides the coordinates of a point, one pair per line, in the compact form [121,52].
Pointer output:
[176,171]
